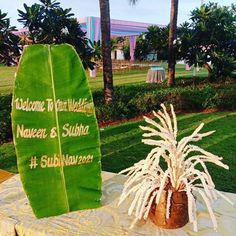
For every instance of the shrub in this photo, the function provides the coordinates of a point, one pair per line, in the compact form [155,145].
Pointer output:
[226,99]
[135,100]
[5,118]
[131,101]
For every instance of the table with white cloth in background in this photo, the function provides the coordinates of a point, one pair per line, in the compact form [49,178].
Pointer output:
[17,218]
[155,75]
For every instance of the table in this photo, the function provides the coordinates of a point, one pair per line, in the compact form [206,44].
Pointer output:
[4,175]
[16,217]
[155,75]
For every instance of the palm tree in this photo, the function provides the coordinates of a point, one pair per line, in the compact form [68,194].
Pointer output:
[172,37]
[106,50]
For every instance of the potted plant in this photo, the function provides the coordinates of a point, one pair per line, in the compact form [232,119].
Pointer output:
[166,194]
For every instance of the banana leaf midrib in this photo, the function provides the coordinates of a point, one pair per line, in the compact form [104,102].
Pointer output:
[57,126]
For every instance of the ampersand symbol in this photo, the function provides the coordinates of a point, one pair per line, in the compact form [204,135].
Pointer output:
[53,132]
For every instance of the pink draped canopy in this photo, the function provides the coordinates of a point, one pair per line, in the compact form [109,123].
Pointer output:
[132,29]
[91,25]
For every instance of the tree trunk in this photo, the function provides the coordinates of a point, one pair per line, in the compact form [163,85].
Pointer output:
[106,50]
[172,37]
[209,70]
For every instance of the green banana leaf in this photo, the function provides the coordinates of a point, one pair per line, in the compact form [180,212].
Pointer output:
[55,131]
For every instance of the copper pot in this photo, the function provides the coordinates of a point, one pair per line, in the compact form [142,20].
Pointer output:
[178,216]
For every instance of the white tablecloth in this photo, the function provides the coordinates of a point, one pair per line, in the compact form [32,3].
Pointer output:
[16,217]
[155,76]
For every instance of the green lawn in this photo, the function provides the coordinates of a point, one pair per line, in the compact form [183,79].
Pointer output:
[122,147]
[120,77]
[6,79]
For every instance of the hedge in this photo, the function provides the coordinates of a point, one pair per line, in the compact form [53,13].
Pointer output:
[135,100]
[131,101]
[5,118]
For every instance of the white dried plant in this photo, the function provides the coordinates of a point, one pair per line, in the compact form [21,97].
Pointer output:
[147,179]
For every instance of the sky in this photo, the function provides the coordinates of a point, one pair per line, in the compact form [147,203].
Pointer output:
[149,11]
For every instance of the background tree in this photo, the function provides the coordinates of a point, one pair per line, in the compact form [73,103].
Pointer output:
[106,50]
[9,49]
[48,22]
[172,38]
[209,40]
[97,50]
[154,41]
[157,38]
[142,48]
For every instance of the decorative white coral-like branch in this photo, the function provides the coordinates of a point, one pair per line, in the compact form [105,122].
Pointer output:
[147,180]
